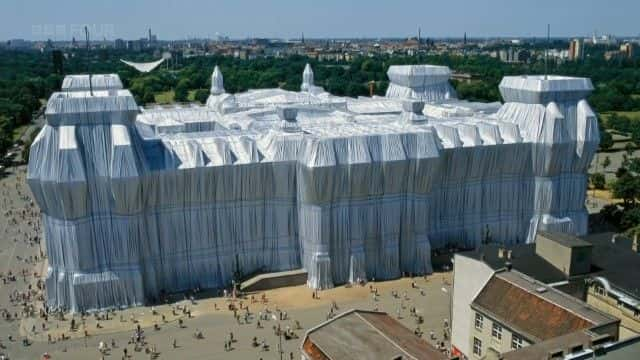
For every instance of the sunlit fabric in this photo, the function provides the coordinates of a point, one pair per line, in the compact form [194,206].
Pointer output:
[144,67]
[137,202]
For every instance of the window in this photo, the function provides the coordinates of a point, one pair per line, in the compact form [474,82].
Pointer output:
[496,331]
[479,321]
[516,341]
[600,290]
[477,347]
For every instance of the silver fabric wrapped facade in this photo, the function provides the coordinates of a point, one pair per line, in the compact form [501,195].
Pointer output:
[137,202]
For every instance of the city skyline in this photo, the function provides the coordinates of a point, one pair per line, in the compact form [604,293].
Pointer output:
[176,20]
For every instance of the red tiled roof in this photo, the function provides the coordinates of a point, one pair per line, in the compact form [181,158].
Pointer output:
[312,350]
[526,312]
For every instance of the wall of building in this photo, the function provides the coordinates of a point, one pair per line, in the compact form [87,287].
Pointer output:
[557,254]
[570,260]
[575,287]
[580,260]
[485,335]
[128,219]
[629,321]
[469,276]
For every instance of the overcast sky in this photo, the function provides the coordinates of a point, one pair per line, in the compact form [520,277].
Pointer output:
[179,19]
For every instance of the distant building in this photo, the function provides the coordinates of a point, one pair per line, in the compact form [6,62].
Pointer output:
[18,44]
[135,45]
[628,50]
[365,335]
[612,55]
[523,55]
[152,39]
[503,54]
[512,55]
[120,44]
[576,49]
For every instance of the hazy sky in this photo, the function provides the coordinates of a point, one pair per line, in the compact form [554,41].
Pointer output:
[179,19]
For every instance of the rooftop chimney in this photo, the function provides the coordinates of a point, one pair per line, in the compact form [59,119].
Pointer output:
[217,82]
[307,79]
[412,111]
[567,253]
[288,119]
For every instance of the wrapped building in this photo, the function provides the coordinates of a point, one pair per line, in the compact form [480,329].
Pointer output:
[137,201]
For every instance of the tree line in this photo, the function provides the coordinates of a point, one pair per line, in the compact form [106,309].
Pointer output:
[28,77]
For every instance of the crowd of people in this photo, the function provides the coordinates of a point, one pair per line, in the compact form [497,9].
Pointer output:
[24,287]
[20,276]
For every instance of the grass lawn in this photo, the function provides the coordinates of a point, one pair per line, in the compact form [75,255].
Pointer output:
[17,132]
[167,97]
[633,115]
[164,97]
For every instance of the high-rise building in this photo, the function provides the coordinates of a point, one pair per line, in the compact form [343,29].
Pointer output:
[627,50]
[120,44]
[576,49]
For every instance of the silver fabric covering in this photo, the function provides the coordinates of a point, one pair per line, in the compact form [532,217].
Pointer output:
[425,82]
[98,82]
[137,202]
[144,67]
[217,82]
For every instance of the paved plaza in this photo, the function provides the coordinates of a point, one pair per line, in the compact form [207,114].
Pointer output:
[200,325]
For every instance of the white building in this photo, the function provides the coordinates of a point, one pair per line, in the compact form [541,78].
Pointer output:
[138,202]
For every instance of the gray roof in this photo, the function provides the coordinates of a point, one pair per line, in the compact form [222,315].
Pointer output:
[564,239]
[523,259]
[369,335]
[616,262]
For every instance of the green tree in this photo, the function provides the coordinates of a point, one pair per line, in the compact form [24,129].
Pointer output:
[627,188]
[57,58]
[606,141]
[202,95]
[181,92]
[597,181]
[629,148]
[606,162]
[634,165]
[26,149]
[630,218]
[148,97]
[6,129]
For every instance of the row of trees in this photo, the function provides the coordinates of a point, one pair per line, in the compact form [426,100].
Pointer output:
[626,187]
[20,94]
[625,125]
[28,77]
